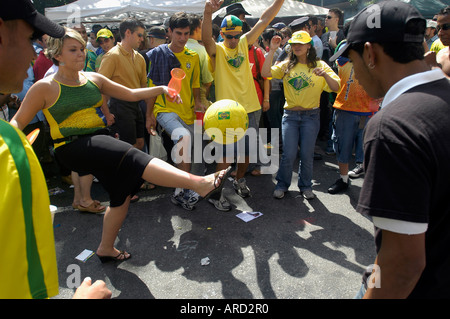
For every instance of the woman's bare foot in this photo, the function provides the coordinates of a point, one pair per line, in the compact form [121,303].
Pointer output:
[113,254]
[213,183]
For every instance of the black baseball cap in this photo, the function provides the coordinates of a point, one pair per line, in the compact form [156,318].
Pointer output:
[383,22]
[24,10]
[236,9]
[157,32]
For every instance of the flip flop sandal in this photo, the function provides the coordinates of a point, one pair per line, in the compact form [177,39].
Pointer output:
[94,208]
[147,186]
[222,182]
[119,257]
[97,202]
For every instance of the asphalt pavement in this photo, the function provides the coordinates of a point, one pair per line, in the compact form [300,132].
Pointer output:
[295,249]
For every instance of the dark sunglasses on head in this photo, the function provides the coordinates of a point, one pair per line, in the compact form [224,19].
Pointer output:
[229,36]
[444,27]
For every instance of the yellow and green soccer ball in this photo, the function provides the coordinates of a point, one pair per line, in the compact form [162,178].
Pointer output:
[225,121]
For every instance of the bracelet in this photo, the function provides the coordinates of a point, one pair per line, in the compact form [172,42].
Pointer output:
[266,100]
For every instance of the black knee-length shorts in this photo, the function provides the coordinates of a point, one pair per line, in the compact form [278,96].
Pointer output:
[117,165]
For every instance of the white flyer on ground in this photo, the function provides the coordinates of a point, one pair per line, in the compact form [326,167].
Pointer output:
[248,216]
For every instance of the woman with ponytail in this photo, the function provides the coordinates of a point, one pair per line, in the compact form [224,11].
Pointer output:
[304,77]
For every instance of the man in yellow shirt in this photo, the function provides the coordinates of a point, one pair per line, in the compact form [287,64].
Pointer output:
[233,76]
[193,43]
[443,26]
[177,120]
[29,269]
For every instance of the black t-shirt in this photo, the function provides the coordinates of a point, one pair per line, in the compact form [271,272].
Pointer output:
[407,175]
[328,51]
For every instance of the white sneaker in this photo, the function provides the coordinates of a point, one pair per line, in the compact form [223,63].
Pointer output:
[308,194]
[278,193]
[357,171]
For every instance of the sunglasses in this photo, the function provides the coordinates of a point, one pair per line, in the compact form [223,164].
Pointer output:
[444,27]
[229,36]
[330,17]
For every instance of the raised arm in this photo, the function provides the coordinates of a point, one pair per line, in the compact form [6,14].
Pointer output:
[274,45]
[264,21]
[208,41]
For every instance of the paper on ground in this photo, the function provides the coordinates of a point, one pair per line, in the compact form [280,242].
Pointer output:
[85,255]
[248,216]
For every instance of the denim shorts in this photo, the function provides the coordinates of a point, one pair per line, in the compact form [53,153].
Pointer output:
[237,148]
[347,132]
[174,126]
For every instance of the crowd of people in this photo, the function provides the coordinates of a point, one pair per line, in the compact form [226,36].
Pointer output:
[102,96]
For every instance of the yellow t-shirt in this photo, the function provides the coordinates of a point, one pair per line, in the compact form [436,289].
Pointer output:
[301,86]
[233,76]
[437,46]
[28,268]
[123,67]
[190,64]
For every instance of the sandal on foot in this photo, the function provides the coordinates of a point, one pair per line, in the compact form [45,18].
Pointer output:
[94,208]
[134,199]
[222,182]
[147,186]
[120,257]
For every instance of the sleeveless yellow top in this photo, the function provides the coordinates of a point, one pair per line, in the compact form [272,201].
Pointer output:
[75,112]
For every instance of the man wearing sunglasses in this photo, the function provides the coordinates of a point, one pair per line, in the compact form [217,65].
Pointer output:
[334,35]
[233,75]
[443,29]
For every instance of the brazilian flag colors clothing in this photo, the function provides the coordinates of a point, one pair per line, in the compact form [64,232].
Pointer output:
[301,86]
[190,63]
[233,76]
[76,112]
[28,268]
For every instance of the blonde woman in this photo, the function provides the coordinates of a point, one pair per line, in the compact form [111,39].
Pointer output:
[305,77]
[70,100]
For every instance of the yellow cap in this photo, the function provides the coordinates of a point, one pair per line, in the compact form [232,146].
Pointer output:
[302,37]
[104,33]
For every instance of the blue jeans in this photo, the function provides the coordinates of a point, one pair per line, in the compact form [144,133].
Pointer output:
[298,128]
[348,131]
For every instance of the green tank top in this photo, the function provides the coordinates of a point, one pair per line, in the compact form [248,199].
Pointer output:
[75,112]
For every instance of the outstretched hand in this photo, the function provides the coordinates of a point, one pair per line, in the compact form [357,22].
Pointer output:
[319,72]
[214,5]
[89,290]
[172,96]
[275,42]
